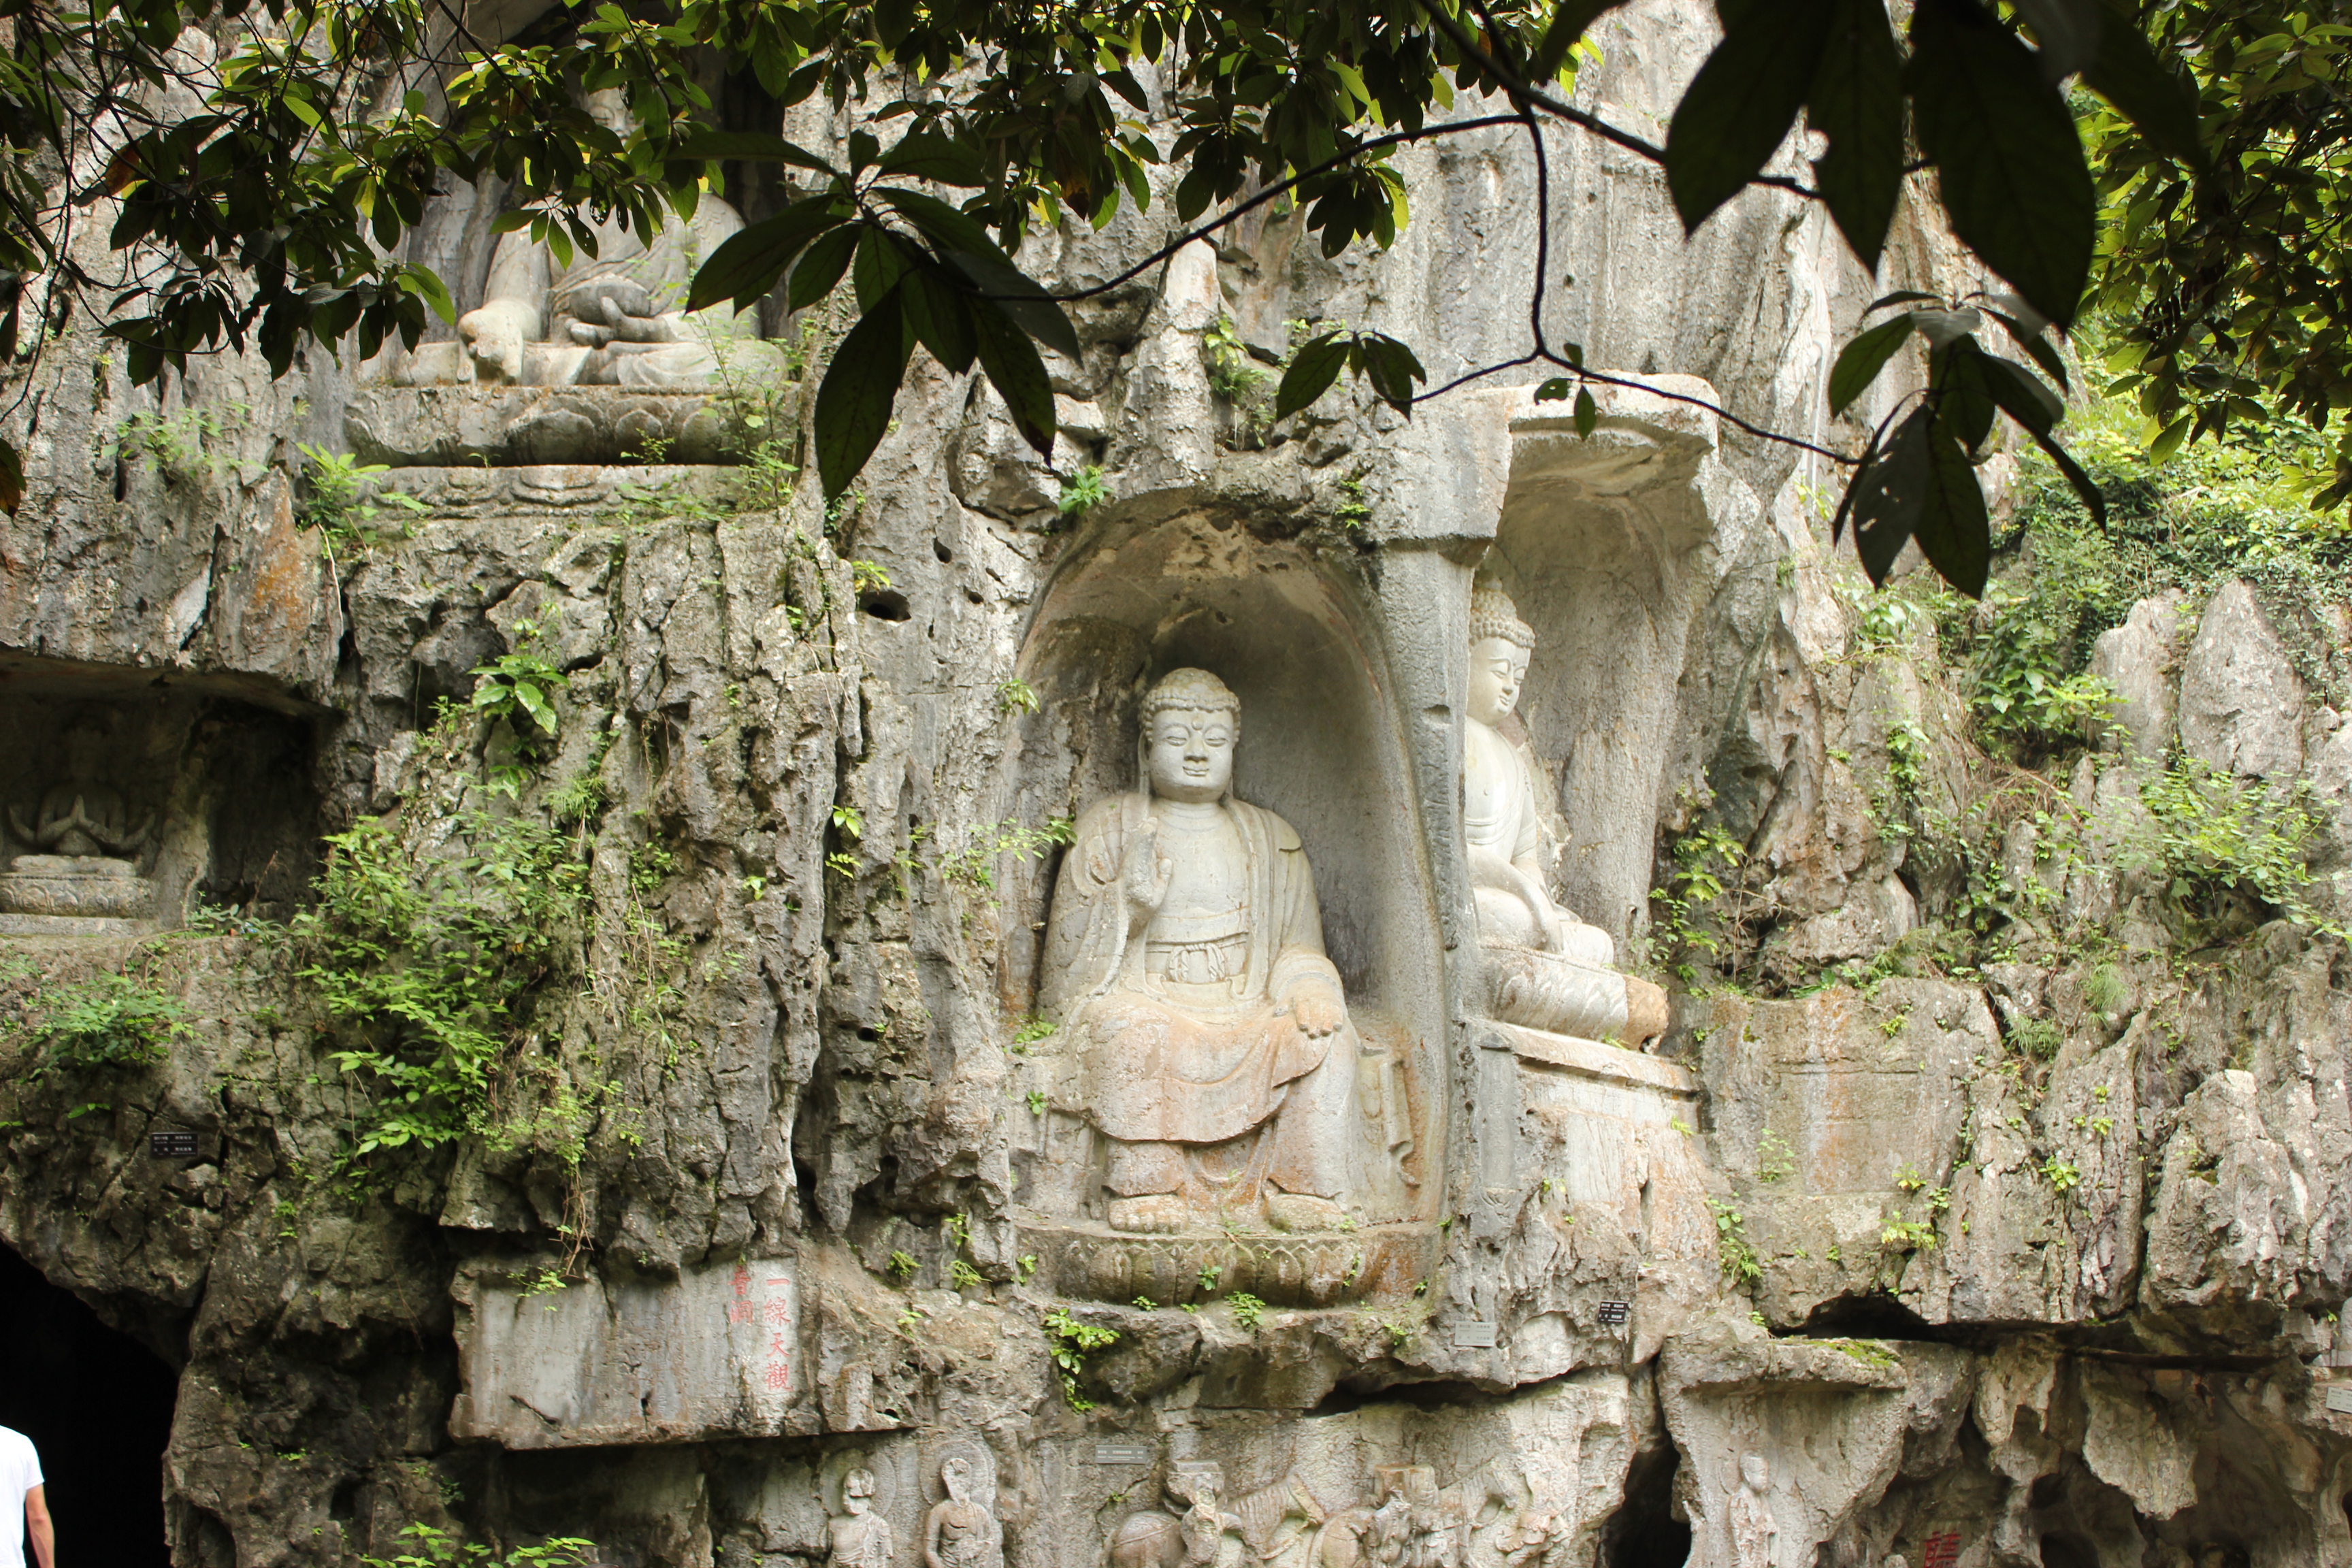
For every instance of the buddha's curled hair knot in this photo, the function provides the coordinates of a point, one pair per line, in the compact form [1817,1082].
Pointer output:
[1193,688]
[1491,614]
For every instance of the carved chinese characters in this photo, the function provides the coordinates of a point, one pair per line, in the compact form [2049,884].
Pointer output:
[1184,958]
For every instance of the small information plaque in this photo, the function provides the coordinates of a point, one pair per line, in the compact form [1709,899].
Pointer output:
[1108,1453]
[2339,1398]
[1474,1336]
[1941,1549]
[1613,1314]
[171,1145]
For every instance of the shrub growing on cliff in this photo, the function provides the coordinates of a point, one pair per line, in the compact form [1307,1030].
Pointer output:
[433,1548]
[429,964]
[106,1020]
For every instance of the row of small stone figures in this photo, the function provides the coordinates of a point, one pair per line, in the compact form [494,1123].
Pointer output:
[961,1530]
[1410,1523]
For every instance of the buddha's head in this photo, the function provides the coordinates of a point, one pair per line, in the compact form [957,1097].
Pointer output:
[1190,721]
[1499,645]
[956,1476]
[857,1490]
[1755,1472]
[609,108]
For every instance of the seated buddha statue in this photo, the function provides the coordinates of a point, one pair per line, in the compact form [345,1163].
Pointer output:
[613,318]
[1545,968]
[83,840]
[1184,963]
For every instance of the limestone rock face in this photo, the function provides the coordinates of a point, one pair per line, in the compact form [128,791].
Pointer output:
[649,1121]
[2240,700]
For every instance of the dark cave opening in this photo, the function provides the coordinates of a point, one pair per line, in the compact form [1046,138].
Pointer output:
[1643,1532]
[2063,1552]
[97,1406]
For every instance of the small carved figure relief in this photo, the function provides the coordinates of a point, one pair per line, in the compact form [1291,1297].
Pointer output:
[1185,961]
[861,1537]
[962,1531]
[1752,1530]
[1546,968]
[613,317]
[84,838]
[1193,1539]
[1537,1539]
[1413,1526]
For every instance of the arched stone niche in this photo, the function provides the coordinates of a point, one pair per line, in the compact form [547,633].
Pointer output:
[192,788]
[1603,544]
[1322,744]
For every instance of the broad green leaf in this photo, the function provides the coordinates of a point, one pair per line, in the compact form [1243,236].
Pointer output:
[748,146]
[1011,362]
[2022,394]
[928,155]
[747,263]
[1313,369]
[1857,102]
[1859,362]
[2008,159]
[1964,407]
[1737,110]
[1900,297]
[2037,347]
[1587,413]
[1390,367]
[1020,298]
[2085,489]
[881,261]
[853,406]
[1889,494]
[426,285]
[1569,21]
[2150,92]
[821,268]
[941,316]
[2168,439]
[947,228]
[1951,527]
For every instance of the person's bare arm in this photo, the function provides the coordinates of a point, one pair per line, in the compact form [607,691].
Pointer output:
[37,1525]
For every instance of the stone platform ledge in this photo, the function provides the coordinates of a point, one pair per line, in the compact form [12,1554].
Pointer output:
[555,488]
[509,427]
[1317,1270]
[1592,1058]
[74,925]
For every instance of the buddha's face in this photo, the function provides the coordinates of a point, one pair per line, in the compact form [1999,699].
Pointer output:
[609,108]
[1497,668]
[956,1479]
[1190,756]
[1755,1472]
[858,1492]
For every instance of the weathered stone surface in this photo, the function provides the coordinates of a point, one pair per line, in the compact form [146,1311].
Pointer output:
[2240,700]
[719,1352]
[809,762]
[2141,659]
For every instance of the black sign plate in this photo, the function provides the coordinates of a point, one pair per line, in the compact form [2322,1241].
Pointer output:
[171,1145]
[1614,1313]
[1122,1452]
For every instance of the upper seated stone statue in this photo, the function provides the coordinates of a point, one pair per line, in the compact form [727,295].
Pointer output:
[1498,799]
[1545,968]
[1184,961]
[611,319]
[80,814]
